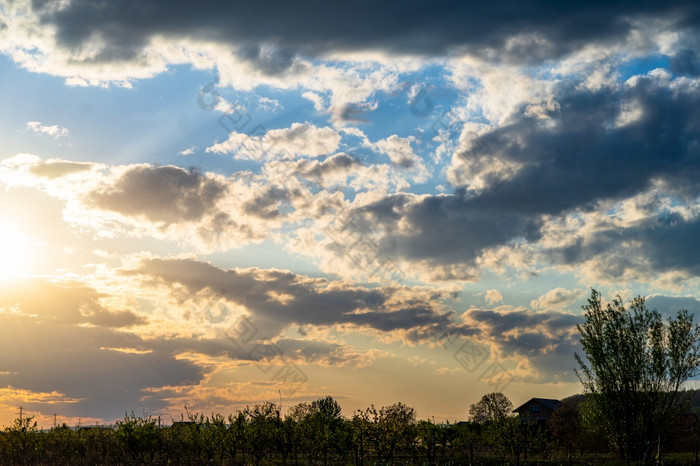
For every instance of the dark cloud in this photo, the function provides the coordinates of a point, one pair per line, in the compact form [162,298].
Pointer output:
[277,299]
[319,170]
[443,230]
[270,203]
[662,243]
[63,303]
[313,27]
[685,61]
[669,245]
[269,61]
[546,340]
[582,156]
[161,194]
[83,363]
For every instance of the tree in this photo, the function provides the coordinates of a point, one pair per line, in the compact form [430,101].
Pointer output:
[262,428]
[21,438]
[470,439]
[509,436]
[137,438]
[634,370]
[505,431]
[567,426]
[491,408]
[322,426]
[237,429]
[390,431]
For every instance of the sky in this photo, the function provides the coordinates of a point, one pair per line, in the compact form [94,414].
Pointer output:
[215,204]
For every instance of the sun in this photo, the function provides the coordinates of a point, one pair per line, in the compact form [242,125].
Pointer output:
[16,252]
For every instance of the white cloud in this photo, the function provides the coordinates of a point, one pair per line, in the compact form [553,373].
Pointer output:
[399,151]
[318,100]
[300,139]
[53,130]
[558,298]
[266,104]
[189,151]
[493,297]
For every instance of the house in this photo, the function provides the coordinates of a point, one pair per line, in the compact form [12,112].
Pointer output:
[183,424]
[537,410]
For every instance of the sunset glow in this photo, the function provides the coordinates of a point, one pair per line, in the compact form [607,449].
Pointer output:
[216,204]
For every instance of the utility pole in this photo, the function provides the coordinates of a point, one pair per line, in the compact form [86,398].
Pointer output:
[54,420]
[20,414]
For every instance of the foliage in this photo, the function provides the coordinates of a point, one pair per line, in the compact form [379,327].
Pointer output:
[634,370]
[567,426]
[493,407]
[318,433]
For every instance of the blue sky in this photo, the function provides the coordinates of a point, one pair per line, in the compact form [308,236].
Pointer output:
[209,207]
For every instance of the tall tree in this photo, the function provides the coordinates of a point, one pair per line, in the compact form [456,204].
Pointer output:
[492,407]
[634,370]
[326,420]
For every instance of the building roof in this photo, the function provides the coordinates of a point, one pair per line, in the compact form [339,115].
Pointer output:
[548,402]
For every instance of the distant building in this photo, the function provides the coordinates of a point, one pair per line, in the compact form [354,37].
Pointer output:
[537,410]
[183,424]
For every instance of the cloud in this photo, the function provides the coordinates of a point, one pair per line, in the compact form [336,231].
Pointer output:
[277,299]
[401,154]
[266,104]
[161,194]
[316,99]
[300,139]
[575,162]
[105,382]
[189,151]
[670,305]
[334,169]
[493,297]
[158,365]
[542,343]
[102,34]
[558,298]
[164,202]
[685,61]
[53,130]
[63,303]
[58,168]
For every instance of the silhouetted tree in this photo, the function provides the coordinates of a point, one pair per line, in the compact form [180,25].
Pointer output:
[490,408]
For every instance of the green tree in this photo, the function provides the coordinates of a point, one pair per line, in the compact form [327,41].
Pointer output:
[504,431]
[21,439]
[395,431]
[263,429]
[236,435]
[138,438]
[634,370]
[362,434]
[508,437]
[491,408]
[325,419]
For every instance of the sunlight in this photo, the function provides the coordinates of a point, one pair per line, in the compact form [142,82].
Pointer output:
[16,252]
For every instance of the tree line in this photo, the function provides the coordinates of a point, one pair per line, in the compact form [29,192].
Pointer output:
[308,433]
[318,433]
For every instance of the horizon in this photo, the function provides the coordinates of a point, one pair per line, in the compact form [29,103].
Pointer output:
[217,205]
